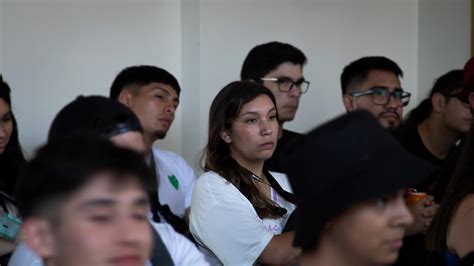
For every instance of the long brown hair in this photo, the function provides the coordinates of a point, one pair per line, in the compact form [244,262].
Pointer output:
[224,110]
[460,185]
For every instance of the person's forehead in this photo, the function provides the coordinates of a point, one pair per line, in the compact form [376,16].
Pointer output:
[287,69]
[261,103]
[104,185]
[160,86]
[4,107]
[382,77]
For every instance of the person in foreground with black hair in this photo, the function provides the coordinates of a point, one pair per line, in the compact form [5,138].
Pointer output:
[98,116]
[83,202]
[279,67]
[348,215]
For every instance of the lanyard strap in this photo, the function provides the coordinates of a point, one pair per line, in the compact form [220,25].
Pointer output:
[290,197]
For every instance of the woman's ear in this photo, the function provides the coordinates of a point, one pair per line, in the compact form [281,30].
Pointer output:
[225,136]
[39,236]
[438,102]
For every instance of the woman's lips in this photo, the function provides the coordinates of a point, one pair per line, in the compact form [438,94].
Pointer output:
[396,243]
[267,145]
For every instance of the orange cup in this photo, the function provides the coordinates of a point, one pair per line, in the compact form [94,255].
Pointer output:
[413,197]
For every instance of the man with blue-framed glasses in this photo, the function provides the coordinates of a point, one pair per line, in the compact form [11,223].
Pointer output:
[373,83]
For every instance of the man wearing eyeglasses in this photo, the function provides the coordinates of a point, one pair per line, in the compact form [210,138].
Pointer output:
[279,67]
[373,83]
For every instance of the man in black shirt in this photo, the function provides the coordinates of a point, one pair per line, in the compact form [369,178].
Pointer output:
[279,67]
[373,83]
[432,129]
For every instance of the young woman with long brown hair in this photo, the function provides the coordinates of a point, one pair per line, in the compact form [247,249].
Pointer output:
[239,209]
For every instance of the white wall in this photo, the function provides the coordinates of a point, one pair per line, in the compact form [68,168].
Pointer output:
[50,51]
[190,104]
[444,39]
[55,50]
[331,33]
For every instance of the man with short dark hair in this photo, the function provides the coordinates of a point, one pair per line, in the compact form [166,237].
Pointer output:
[83,202]
[373,83]
[152,94]
[279,67]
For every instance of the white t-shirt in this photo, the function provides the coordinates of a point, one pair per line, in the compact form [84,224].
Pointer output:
[181,250]
[225,224]
[176,182]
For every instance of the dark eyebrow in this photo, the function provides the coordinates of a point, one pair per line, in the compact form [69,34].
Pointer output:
[107,202]
[384,88]
[176,99]
[255,113]
[162,89]
[141,202]
[95,203]
[9,113]
[288,78]
[379,87]
[249,113]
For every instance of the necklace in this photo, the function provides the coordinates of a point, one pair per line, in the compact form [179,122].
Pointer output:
[259,179]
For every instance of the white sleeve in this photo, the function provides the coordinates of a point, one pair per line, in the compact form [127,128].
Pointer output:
[182,251]
[234,233]
[24,256]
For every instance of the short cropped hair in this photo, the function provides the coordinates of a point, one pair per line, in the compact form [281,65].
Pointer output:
[95,116]
[357,71]
[264,58]
[63,167]
[142,75]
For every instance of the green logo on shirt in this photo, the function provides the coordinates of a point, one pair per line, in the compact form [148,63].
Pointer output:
[174,181]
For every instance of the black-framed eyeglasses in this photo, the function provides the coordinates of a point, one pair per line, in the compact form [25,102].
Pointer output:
[381,95]
[286,84]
